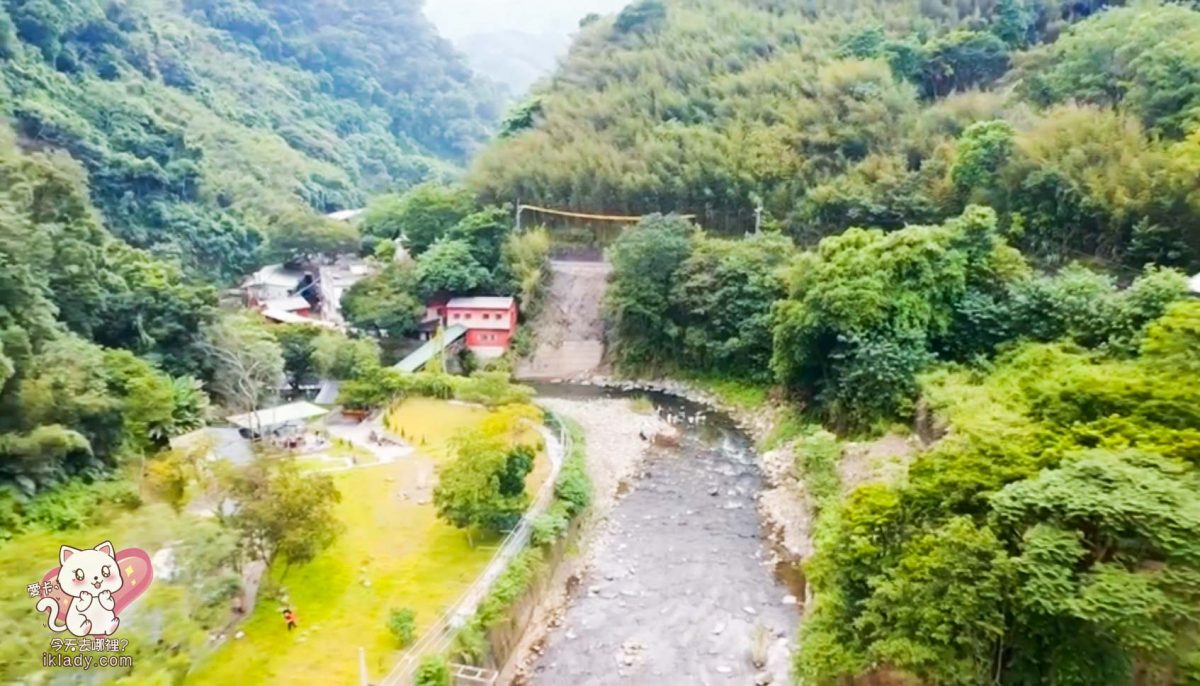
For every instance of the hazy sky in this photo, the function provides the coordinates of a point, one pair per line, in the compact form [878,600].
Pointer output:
[460,18]
[513,41]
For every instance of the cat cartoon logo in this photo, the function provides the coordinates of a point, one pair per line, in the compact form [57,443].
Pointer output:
[91,587]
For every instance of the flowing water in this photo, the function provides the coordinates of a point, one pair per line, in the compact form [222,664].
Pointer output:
[682,590]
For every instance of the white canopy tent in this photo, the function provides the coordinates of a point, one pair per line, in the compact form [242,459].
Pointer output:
[272,417]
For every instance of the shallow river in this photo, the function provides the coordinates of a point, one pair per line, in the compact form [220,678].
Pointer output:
[681,590]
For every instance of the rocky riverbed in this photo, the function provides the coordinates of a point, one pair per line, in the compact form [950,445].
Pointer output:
[677,584]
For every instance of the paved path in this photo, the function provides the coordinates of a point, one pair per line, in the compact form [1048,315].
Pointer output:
[438,637]
[359,435]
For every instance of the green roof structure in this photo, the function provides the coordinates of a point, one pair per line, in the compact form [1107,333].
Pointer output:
[421,356]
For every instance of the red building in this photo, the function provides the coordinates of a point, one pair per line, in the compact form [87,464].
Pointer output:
[490,323]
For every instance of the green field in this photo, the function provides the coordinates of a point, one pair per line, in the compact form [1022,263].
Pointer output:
[392,541]
[409,558]
[393,553]
[25,558]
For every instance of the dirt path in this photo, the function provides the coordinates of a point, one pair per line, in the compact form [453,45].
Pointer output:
[570,327]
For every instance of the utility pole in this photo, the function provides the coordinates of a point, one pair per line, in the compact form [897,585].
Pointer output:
[758,213]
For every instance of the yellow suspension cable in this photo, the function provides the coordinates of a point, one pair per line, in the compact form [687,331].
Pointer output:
[583,215]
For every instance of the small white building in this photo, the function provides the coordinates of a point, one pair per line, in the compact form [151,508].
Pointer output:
[334,279]
[272,282]
[1194,285]
[347,215]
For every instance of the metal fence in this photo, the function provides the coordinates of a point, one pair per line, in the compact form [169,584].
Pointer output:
[438,637]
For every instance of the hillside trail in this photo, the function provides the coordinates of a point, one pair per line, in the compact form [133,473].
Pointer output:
[570,327]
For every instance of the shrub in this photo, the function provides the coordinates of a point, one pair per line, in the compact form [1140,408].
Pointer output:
[433,671]
[816,463]
[402,624]
[551,526]
[10,512]
[523,342]
[574,487]
[492,389]
[78,504]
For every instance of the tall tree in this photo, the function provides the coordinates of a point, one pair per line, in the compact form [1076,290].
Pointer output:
[645,260]
[451,266]
[247,362]
[419,217]
[280,513]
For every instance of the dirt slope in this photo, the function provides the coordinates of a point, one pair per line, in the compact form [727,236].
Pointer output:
[570,327]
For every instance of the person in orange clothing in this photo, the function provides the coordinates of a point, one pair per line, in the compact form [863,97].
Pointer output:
[290,618]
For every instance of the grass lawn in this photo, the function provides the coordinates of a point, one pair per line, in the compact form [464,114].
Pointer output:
[408,557]
[410,560]
[336,457]
[430,425]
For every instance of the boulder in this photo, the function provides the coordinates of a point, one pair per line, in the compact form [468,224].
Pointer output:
[667,437]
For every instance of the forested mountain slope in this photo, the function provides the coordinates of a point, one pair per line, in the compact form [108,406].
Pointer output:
[149,149]
[992,205]
[1079,125]
[202,125]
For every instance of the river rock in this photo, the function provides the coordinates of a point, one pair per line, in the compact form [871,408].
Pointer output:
[718,628]
[790,600]
[763,678]
[725,669]
[667,437]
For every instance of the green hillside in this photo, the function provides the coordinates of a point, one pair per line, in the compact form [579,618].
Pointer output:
[840,114]
[203,125]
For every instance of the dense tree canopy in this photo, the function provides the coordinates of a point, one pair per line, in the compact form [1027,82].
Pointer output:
[419,217]
[68,405]
[991,208]
[645,261]
[387,303]
[483,487]
[834,115]
[206,125]
[450,266]
[1063,502]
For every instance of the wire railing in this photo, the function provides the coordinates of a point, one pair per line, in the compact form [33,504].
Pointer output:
[438,637]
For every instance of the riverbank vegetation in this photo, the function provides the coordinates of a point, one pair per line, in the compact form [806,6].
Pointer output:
[572,495]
